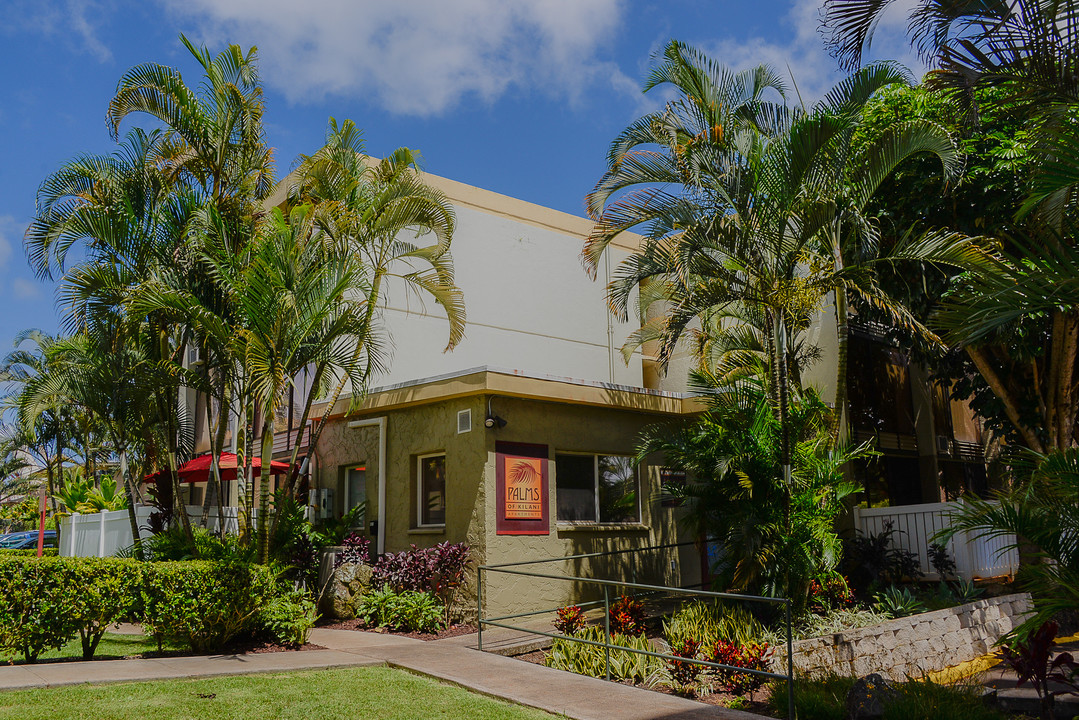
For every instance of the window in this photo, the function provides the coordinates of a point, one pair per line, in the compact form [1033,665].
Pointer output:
[357,490]
[596,488]
[431,488]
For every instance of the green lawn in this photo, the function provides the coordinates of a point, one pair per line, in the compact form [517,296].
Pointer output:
[112,646]
[352,693]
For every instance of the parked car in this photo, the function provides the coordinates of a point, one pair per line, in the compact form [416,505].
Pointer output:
[27,540]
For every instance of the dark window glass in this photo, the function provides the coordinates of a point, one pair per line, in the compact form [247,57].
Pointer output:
[575,483]
[433,490]
[596,489]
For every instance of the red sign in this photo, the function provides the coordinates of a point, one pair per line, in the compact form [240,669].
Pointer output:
[523,493]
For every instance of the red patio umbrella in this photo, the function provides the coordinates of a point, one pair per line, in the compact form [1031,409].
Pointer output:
[198,469]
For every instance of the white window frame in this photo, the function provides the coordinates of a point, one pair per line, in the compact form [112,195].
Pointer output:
[595,488]
[420,499]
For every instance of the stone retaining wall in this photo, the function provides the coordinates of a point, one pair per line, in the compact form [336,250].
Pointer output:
[911,646]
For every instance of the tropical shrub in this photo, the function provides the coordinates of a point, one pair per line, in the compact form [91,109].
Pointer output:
[1040,518]
[438,570]
[710,622]
[872,560]
[828,593]
[204,605]
[355,549]
[776,537]
[569,619]
[627,616]
[577,657]
[751,657]
[106,592]
[409,610]
[684,674]
[941,561]
[288,617]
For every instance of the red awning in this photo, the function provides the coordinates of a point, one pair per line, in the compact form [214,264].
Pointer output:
[199,469]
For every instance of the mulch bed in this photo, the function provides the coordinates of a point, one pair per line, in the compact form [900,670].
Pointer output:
[360,625]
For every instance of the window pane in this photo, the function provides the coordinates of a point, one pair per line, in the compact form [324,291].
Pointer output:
[575,482]
[618,489]
[433,490]
[357,490]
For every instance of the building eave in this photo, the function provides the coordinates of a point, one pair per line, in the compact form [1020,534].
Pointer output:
[513,383]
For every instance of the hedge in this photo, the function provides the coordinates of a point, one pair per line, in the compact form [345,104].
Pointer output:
[47,602]
[29,552]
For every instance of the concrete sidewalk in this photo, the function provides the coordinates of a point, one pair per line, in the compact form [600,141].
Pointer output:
[574,696]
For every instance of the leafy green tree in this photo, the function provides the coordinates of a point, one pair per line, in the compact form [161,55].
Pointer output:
[366,208]
[1027,51]
[750,208]
[735,491]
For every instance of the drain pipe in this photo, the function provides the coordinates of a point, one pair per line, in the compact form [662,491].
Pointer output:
[380,423]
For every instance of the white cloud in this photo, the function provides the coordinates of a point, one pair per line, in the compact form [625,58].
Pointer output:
[804,55]
[10,235]
[71,19]
[24,289]
[420,57]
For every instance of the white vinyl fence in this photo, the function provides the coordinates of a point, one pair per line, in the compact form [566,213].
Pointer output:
[914,527]
[101,534]
[105,534]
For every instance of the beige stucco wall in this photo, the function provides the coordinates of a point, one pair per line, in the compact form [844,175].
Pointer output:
[470,493]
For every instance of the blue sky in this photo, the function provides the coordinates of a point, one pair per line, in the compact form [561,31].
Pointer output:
[517,97]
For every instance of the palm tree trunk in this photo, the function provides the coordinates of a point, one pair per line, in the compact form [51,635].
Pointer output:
[264,486]
[841,430]
[1011,409]
[132,516]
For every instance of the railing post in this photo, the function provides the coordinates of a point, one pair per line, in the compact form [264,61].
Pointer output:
[479,609]
[607,630]
[791,712]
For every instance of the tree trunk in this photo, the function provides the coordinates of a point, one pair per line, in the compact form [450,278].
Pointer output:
[264,487]
[841,431]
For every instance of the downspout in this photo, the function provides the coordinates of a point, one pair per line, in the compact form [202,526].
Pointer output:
[610,320]
[380,422]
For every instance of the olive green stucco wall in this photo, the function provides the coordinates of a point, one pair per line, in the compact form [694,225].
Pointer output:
[470,494]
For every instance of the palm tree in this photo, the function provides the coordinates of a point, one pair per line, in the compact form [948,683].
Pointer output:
[1040,516]
[299,308]
[46,425]
[1029,49]
[366,208]
[749,208]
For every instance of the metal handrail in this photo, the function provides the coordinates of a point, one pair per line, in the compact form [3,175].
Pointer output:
[607,585]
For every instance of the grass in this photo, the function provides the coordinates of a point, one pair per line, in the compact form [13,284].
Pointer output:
[371,692]
[111,647]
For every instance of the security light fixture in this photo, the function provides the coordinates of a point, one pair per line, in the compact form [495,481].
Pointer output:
[492,421]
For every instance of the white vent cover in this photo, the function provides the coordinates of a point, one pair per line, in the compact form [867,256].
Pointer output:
[464,421]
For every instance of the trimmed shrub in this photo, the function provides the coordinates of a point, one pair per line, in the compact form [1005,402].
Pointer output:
[204,605]
[28,552]
[37,610]
[106,593]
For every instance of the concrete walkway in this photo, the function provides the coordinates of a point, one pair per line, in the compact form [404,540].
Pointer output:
[452,660]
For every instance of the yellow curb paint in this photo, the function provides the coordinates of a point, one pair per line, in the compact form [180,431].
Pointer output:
[963,670]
